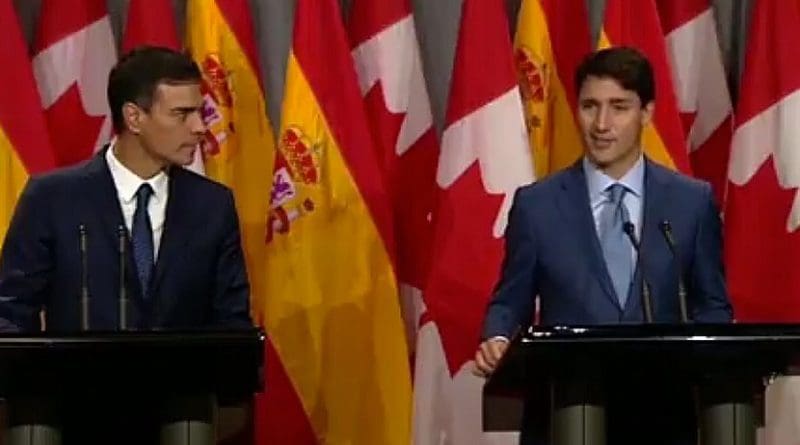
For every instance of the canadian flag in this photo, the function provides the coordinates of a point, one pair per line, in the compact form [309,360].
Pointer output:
[700,85]
[74,52]
[763,206]
[484,158]
[389,69]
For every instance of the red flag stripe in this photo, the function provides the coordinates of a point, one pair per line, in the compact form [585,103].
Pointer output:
[369,17]
[568,25]
[476,52]
[64,18]
[150,22]
[240,20]
[771,58]
[674,14]
[19,103]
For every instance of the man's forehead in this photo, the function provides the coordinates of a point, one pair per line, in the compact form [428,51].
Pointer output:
[607,89]
[185,91]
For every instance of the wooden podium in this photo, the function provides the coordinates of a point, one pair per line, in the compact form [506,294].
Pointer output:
[729,366]
[182,376]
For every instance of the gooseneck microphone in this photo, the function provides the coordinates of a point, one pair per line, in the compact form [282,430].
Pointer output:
[122,236]
[666,230]
[647,301]
[83,242]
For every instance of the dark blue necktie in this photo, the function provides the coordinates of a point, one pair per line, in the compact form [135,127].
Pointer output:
[142,239]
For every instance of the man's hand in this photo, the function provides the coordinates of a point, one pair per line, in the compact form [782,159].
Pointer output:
[488,356]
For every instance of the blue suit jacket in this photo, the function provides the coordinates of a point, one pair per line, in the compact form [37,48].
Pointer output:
[199,278]
[552,250]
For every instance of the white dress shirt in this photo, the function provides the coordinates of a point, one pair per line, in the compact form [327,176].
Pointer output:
[127,183]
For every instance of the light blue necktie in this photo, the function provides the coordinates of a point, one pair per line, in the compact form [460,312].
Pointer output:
[142,239]
[614,241]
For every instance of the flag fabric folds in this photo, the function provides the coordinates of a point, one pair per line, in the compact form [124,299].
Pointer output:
[551,40]
[74,51]
[636,23]
[332,308]
[24,144]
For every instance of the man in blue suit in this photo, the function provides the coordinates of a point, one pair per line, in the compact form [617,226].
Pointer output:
[179,231]
[566,242]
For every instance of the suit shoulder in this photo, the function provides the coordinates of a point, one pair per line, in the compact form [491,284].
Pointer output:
[59,179]
[681,180]
[543,186]
[203,184]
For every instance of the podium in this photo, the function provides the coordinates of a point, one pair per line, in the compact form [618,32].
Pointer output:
[184,375]
[728,366]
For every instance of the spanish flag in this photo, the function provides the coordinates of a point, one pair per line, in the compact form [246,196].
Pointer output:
[239,145]
[552,38]
[635,23]
[332,309]
[239,148]
[24,146]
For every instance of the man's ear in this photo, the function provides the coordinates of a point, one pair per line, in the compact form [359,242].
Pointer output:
[647,112]
[133,116]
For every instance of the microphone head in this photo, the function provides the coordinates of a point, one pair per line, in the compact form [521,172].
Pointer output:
[665,226]
[628,227]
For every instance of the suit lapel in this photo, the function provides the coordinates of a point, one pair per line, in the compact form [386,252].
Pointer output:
[656,191]
[574,203]
[103,200]
[102,194]
[177,225]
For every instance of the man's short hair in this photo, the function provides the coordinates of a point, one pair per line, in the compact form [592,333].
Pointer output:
[626,65]
[138,73]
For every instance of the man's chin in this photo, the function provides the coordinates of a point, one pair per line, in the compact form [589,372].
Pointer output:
[184,158]
[599,160]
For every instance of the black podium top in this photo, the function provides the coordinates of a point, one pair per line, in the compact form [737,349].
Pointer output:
[227,363]
[689,351]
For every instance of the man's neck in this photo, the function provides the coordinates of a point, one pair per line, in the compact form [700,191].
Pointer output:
[130,153]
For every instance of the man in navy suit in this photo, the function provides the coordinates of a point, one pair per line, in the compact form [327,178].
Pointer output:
[176,232]
[566,243]
[179,230]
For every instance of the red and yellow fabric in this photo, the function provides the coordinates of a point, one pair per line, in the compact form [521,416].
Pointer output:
[24,145]
[552,37]
[331,309]
[636,23]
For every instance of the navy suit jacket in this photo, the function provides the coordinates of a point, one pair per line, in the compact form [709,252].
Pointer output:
[552,250]
[199,279]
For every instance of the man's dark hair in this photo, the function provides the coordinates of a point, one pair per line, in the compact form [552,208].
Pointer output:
[626,65]
[139,72]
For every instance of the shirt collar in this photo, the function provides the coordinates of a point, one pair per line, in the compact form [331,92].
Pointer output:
[128,182]
[598,181]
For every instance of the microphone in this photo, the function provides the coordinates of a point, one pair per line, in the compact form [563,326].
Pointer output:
[84,278]
[647,300]
[123,293]
[666,230]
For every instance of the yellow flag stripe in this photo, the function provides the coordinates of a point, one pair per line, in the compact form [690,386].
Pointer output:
[13,176]
[332,309]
